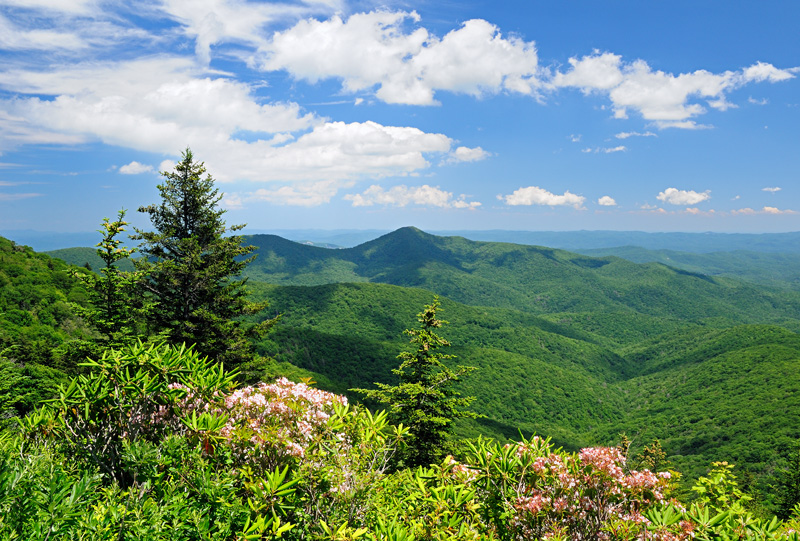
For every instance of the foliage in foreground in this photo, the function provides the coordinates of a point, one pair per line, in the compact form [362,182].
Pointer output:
[285,460]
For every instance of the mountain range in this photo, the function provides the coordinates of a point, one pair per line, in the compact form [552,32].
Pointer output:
[698,350]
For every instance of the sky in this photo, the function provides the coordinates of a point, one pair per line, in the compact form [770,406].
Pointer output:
[441,114]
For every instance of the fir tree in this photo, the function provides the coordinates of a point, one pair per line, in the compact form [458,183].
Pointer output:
[116,307]
[424,400]
[193,263]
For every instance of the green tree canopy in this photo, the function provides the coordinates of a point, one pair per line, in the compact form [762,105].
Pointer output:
[192,264]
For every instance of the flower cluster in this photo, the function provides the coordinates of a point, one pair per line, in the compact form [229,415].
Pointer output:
[271,424]
[549,493]
[586,493]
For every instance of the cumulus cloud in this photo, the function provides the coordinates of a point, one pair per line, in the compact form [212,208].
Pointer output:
[754,101]
[534,195]
[465,154]
[771,190]
[135,168]
[625,135]
[773,210]
[142,104]
[666,99]
[673,196]
[406,66]
[607,201]
[401,196]
[214,22]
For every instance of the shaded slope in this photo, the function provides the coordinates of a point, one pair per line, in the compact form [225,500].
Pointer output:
[532,374]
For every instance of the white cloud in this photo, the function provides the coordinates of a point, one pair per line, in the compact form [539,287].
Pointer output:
[303,194]
[754,101]
[697,212]
[605,150]
[762,71]
[213,22]
[668,100]
[232,201]
[625,135]
[407,67]
[607,201]
[647,206]
[135,168]
[593,72]
[575,138]
[773,210]
[771,190]
[12,37]
[682,125]
[673,196]
[143,105]
[534,195]
[75,7]
[166,166]
[765,210]
[401,196]
[465,154]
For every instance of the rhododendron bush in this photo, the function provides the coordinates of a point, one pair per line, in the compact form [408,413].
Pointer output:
[158,443]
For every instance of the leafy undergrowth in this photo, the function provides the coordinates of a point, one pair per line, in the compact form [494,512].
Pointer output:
[158,443]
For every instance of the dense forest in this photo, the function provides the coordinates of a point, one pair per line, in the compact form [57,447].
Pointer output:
[208,385]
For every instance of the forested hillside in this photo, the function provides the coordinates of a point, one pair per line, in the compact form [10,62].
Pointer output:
[780,270]
[41,336]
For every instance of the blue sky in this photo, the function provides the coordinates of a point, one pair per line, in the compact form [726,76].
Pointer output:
[529,115]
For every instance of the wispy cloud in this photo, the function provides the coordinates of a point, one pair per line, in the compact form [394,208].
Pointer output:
[604,150]
[625,135]
[765,210]
[18,196]
[773,189]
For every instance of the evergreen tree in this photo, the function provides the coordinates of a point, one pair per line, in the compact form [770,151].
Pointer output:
[192,263]
[116,307]
[424,400]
